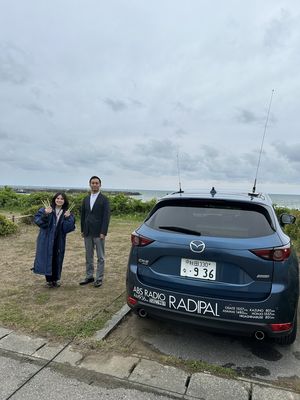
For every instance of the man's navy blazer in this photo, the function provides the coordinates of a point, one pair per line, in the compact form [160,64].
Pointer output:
[95,221]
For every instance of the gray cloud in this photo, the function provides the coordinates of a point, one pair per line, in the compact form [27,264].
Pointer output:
[167,123]
[290,151]
[136,103]
[248,117]
[180,132]
[13,64]
[179,106]
[121,105]
[37,109]
[85,157]
[21,160]
[165,149]
[3,135]
[116,105]
[278,31]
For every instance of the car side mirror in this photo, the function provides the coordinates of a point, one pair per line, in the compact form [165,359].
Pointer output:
[287,219]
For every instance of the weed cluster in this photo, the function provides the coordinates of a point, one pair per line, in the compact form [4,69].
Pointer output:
[7,227]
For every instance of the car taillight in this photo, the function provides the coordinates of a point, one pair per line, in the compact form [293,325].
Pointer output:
[138,240]
[131,300]
[281,327]
[274,254]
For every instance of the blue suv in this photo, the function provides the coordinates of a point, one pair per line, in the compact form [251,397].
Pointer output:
[217,260]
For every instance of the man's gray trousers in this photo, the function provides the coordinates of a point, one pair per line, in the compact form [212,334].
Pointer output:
[90,244]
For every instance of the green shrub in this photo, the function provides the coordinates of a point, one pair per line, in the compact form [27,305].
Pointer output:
[293,230]
[8,198]
[7,227]
[35,199]
[121,204]
[29,214]
[76,200]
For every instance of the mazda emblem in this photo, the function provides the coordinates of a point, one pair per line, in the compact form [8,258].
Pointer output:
[197,246]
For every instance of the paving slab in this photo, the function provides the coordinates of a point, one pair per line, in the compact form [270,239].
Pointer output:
[4,332]
[160,376]
[21,343]
[271,393]
[48,351]
[112,323]
[69,356]
[211,387]
[51,385]
[115,365]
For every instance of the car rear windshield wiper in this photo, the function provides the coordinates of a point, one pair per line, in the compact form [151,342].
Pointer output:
[179,229]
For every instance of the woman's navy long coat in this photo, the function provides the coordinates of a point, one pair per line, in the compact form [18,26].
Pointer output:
[45,240]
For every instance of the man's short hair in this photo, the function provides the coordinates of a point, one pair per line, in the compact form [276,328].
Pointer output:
[95,177]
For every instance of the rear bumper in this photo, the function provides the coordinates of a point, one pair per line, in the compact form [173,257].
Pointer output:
[210,324]
[234,317]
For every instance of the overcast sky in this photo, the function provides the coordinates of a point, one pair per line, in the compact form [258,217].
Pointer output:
[124,89]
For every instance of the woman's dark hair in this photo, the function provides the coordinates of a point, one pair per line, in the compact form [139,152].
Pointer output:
[65,206]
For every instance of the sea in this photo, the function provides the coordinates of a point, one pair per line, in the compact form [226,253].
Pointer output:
[281,200]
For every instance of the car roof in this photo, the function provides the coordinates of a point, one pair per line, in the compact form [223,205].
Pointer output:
[213,194]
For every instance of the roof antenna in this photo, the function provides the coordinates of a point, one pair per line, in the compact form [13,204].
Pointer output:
[262,143]
[178,169]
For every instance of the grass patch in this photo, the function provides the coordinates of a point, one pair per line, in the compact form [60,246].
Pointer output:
[193,366]
[42,298]
[12,315]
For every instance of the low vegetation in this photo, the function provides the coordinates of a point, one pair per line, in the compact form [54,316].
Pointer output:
[292,230]
[7,227]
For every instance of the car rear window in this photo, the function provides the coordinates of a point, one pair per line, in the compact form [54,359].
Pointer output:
[221,219]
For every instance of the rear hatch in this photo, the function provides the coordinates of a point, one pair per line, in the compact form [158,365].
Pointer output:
[206,250]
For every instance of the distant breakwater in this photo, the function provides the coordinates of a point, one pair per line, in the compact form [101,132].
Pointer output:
[28,190]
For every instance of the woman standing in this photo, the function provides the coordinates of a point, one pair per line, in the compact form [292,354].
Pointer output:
[55,221]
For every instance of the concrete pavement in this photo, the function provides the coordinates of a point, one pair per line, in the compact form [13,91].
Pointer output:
[127,371]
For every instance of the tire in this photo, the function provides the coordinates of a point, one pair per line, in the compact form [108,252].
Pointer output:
[291,337]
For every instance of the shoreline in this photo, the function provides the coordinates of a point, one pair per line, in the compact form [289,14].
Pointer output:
[29,190]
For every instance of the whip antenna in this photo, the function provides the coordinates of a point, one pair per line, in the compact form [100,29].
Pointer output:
[262,142]
[178,169]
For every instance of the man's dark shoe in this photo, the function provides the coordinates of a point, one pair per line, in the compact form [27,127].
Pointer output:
[86,281]
[56,284]
[98,283]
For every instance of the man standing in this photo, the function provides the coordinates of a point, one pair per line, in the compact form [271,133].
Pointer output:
[95,214]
